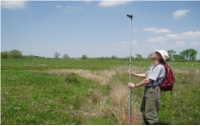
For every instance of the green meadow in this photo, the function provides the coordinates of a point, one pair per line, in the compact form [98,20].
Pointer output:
[81,92]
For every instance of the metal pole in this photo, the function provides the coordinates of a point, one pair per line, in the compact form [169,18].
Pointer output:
[130,77]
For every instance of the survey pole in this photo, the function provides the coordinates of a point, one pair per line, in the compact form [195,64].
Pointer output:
[130,77]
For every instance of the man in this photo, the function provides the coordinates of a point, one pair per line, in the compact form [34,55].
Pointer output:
[151,99]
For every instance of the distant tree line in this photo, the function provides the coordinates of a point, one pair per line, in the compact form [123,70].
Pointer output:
[15,54]
[185,55]
[188,54]
[11,54]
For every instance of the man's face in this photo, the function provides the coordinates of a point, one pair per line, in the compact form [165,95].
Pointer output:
[153,55]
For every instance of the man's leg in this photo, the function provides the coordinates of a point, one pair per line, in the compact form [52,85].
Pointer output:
[151,105]
[142,108]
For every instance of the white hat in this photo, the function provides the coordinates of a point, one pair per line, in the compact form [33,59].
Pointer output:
[164,54]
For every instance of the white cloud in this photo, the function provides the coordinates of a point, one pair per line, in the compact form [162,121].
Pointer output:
[154,46]
[180,13]
[175,45]
[13,4]
[87,1]
[179,43]
[185,35]
[123,44]
[134,29]
[174,36]
[191,35]
[105,3]
[59,6]
[69,8]
[156,30]
[194,43]
[157,40]
[74,7]
[182,38]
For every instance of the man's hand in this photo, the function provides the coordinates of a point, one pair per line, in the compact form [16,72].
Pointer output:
[131,72]
[131,85]
[142,75]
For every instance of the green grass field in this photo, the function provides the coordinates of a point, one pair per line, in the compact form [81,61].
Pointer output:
[57,91]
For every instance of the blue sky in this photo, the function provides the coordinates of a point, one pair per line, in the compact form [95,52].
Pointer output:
[99,28]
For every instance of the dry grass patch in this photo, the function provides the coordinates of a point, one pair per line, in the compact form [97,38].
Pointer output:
[119,95]
[101,77]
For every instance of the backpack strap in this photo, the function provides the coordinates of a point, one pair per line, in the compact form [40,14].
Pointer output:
[157,78]
[153,80]
[152,70]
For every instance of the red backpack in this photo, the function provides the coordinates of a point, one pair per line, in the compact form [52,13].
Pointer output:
[168,81]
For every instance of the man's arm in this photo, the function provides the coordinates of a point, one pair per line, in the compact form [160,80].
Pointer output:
[143,75]
[141,83]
